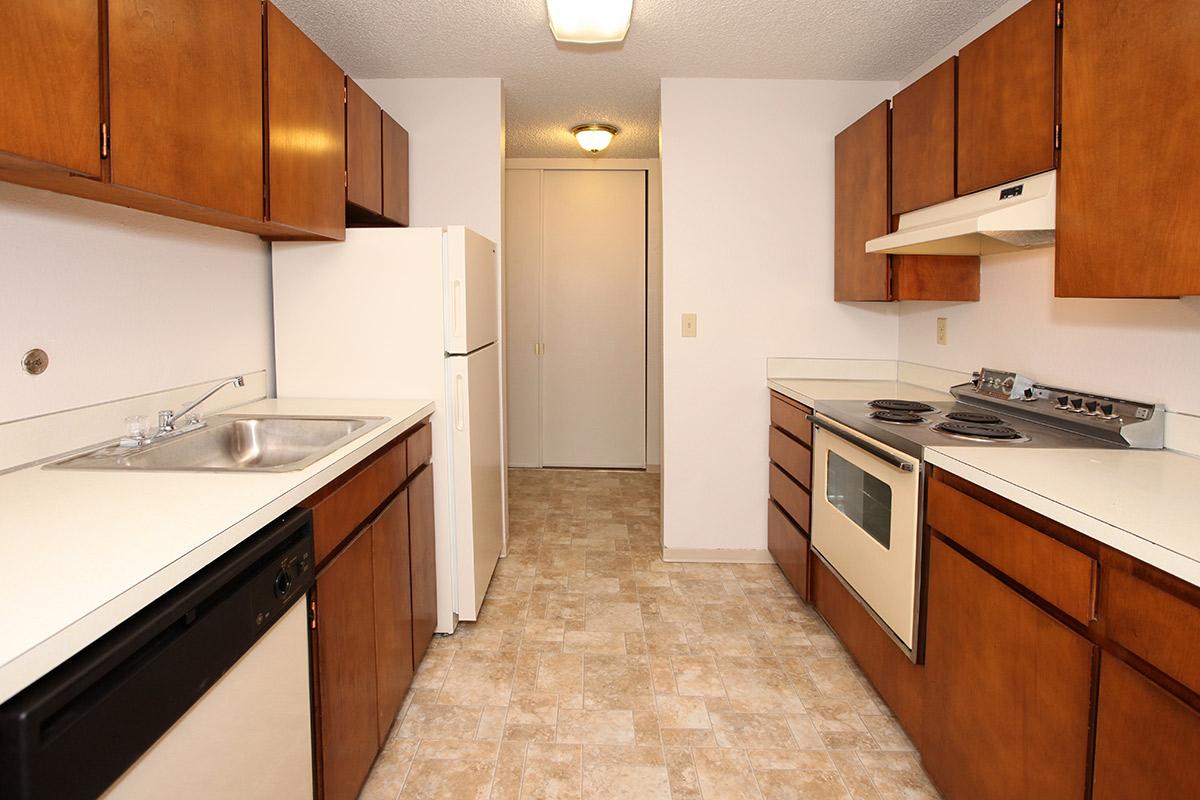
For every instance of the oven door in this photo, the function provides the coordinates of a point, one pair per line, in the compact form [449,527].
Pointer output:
[865,517]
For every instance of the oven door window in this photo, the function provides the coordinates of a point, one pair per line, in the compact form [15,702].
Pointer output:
[863,498]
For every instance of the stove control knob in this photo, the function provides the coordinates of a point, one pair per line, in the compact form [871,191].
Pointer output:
[1093,408]
[1029,395]
[1062,403]
[1107,411]
[1077,405]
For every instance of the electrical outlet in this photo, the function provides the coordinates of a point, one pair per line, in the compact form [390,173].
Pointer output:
[942,324]
[689,326]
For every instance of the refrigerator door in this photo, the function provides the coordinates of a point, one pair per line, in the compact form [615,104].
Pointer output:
[471,285]
[476,490]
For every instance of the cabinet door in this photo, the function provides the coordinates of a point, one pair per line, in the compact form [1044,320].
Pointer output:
[393,610]
[1128,220]
[306,133]
[923,141]
[1012,687]
[424,568]
[1146,739]
[186,94]
[364,150]
[787,544]
[395,171]
[50,71]
[347,696]
[1006,94]
[861,207]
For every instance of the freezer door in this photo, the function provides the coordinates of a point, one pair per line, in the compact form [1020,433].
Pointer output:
[471,299]
[473,389]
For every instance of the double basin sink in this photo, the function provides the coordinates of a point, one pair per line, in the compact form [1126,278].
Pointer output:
[232,443]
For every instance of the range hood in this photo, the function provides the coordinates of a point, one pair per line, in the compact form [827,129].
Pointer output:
[1015,216]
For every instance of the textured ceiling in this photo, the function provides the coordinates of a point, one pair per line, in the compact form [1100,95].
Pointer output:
[549,86]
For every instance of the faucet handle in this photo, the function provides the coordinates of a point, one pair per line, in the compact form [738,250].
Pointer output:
[166,420]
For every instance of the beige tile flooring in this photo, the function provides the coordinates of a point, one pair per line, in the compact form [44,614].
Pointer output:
[597,670]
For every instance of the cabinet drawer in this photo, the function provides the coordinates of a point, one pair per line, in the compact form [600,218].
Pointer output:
[791,497]
[1062,575]
[789,546]
[420,448]
[341,507]
[795,458]
[1152,623]
[791,418]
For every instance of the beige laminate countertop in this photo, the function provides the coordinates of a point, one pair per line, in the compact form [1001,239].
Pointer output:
[83,550]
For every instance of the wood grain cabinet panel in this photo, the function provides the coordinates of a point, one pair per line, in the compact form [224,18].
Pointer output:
[1146,739]
[923,140]
[1006,99]
[791,497]
[1154,624]
[50,71]
[1012,688]
[364,150]
[186,100]
[791,418]
[306,134]
[793,457]
[789,546]
[345,675]
[862,208]
[424,568]
[393,610]
[395,171]
[1128,218]
[420,448]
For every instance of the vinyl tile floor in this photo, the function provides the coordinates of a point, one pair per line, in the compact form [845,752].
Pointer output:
[597,670]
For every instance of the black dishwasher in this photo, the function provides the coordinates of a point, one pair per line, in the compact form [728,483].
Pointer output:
[76,730]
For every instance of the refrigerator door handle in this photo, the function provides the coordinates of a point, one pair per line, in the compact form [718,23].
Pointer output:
[458,402]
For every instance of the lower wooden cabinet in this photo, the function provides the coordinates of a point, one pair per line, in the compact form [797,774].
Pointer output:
[1146,739]
[394,664]
[1012,689]
[789,547]
[345,677]
[424,569]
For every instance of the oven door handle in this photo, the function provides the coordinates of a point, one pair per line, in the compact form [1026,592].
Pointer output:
[863,444]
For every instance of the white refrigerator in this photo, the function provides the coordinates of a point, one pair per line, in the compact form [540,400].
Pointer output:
[411,313]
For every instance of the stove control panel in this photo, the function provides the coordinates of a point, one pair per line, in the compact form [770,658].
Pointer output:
[1126,422]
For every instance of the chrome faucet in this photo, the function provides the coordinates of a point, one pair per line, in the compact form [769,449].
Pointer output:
[168,418]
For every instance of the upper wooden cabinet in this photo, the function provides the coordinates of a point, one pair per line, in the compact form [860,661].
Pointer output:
[364,150]
[306,133]
[862,211]
[395,171]
[923,141]
[186,99]
[50,71]
[1006,99]
[1128,217]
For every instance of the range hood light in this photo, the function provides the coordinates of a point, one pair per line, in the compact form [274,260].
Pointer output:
[589,21]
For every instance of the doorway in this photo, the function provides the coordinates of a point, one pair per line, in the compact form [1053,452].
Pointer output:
[576,301]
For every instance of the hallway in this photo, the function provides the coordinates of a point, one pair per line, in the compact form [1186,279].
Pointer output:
[597,670]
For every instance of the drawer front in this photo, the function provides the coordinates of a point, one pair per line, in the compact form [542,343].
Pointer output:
[789,546]
[1062,575]
[1152,623]
[420,448]
[793,457]
[392,467]
[791,497]
[791,418]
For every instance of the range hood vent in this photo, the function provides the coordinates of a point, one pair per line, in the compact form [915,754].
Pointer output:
[1015,216]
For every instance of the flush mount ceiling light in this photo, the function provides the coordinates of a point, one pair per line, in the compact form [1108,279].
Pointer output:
[589,21]
[595,136]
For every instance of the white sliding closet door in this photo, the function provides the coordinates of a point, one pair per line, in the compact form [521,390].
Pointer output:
[593,371]
[523,314]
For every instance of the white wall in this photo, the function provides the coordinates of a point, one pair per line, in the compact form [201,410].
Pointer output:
[124,302]
[456,147]
[747,170]
[1143,349]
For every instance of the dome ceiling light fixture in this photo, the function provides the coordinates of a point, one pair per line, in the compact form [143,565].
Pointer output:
[589,21]
[594,136]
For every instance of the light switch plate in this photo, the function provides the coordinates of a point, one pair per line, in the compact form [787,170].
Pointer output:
[689,326]
[942,325]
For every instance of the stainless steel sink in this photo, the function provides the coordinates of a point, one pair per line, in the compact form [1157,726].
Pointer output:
[233,443]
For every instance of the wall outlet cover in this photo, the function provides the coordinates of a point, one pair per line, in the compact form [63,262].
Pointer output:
[942,333]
